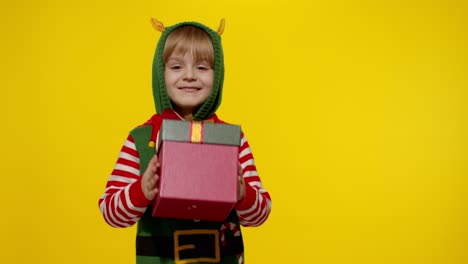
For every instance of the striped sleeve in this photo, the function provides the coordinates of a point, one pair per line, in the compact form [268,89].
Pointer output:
[254,209]
[123,202]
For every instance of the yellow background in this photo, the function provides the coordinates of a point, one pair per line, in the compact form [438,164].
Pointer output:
[356,112]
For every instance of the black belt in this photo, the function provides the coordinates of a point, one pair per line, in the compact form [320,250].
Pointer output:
[189,244]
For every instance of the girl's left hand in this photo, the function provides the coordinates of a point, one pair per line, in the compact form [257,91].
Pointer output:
[240,185]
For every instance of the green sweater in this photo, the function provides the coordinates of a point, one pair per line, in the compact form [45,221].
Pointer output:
[171,241]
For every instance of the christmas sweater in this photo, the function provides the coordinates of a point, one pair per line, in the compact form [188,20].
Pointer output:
[159,240]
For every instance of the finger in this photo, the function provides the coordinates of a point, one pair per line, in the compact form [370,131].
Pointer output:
[153,181]
[152,163]
[155,162]
[150,183]
[241,181]
[154,159]
[153,193]
[154,166]
[152,169]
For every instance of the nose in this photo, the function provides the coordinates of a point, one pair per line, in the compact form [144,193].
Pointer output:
[189,74]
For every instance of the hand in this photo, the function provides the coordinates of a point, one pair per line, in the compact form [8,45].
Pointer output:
[150,179]
[240,185]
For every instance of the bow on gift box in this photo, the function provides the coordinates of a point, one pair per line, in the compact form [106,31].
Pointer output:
[196,131]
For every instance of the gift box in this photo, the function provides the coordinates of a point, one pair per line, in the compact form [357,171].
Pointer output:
[199,170]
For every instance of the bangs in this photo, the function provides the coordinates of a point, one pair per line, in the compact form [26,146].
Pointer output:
[189,39]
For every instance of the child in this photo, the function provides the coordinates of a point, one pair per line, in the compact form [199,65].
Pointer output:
[188,74]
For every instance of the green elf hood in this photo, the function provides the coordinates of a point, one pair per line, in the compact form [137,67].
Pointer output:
[161,99]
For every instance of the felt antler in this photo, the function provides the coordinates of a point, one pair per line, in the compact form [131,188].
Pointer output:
[222,24]
[157,25]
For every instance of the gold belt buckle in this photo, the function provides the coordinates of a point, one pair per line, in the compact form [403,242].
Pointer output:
[178,248]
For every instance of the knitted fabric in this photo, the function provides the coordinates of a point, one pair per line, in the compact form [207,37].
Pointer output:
[155,236]
[161,99]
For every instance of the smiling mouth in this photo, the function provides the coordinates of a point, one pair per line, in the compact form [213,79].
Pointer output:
[189,89]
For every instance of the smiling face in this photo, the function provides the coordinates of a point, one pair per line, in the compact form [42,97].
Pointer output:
[188,82]
[188,69]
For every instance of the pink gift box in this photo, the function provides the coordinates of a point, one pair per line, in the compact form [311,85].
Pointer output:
[198,181]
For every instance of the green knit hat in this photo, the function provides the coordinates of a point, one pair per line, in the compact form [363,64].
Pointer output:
[161,99]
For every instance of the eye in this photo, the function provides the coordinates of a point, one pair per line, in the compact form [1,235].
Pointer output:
[203,67]
[175,67]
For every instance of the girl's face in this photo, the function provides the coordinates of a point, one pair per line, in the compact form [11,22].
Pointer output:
[188,82]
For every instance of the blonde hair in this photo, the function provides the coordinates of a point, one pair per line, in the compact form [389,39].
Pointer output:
[189,39]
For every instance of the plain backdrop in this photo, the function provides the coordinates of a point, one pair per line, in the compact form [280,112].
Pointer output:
[356,112]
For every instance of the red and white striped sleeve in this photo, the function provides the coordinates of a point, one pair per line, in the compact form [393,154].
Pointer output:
[123,202]
[254,209]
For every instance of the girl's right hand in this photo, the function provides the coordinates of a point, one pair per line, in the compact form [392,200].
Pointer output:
[150,179]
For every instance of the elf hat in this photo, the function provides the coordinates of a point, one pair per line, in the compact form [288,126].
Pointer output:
[161,99]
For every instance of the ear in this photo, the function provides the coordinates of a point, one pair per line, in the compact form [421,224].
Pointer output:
[221,26]
[157,25]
